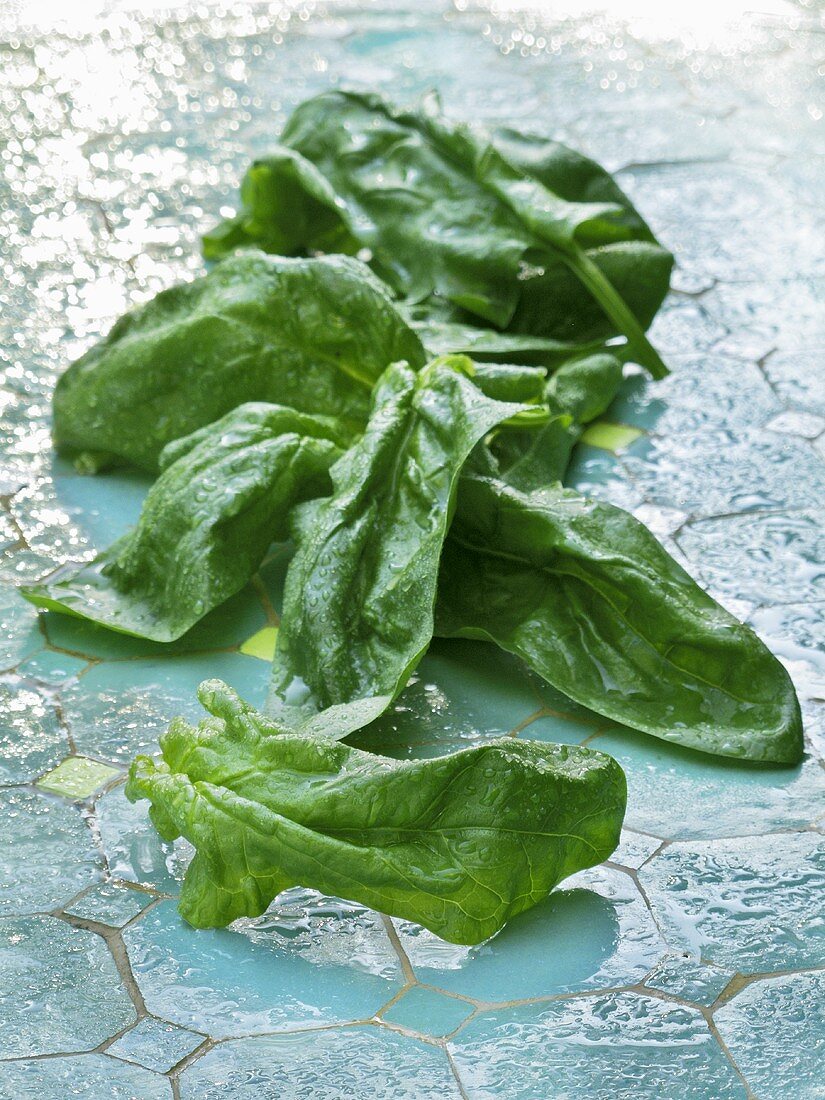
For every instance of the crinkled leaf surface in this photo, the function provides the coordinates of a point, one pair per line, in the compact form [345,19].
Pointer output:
[359,595]
[223,497]
[314,335]
[445,213]
[588,598]
[459,843]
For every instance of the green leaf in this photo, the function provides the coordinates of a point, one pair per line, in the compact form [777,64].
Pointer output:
[442,335]
[587,597]
[314,335]
[459,844]
[285,203]
[577,393]
[568,173]
[448,212]
[359,595]
[223,497]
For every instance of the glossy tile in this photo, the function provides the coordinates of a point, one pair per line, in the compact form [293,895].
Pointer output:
[31,737]
[81,1077]
[677,793]
[134,851]
[338,1065]
[775,1031]
[772,557]
[428,1012]
[594,931]
[623,1046]
[685,978]
[51,668]
[111,904]
[19,631]
[751,904]
[53,855]
[462,691]
[718,472]
[77,777]
[155,1044]
[59,989]
[235,982]
[119,708]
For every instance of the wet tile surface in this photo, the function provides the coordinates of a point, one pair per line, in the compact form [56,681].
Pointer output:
[59,988]
[428,1012]
[714,124]
[87,1077]
[155,1044]
[596,1048]
[602,935]
[238,984]
[775,1030]
[52,856]
[752,904]
[340,1064]
[32,739]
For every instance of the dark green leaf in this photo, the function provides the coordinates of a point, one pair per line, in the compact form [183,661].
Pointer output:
[223,497]
[460,843]
[577,393]
[358,602]
[444,213]
[311,334]
[568,173]
[587,597]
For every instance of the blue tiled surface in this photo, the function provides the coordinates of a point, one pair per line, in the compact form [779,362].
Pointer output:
[690,966]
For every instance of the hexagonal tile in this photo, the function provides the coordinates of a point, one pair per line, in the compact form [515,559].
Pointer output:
[52,857]
[775,1030]
[155,1044]
[427,1011]
[52,668]
[750,904]
[614,1047]
[108,903]
[19,631]
[676,793]
[134,851]
[766,558]
[714,472]
[59,988]
[119,708]
[31,738]
[461,692]
[338,1065]
[77,777]
[227,983]
[81,1077]
[689,980]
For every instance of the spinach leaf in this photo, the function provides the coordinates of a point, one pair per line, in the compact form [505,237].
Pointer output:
[577,393]
[585,595]
[359,595]
[442,334]
[444,213]
[568,173]
[311,334]
[223,497]
[585,387]
[459,844]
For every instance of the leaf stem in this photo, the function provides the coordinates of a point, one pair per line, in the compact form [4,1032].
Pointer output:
[616,309]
